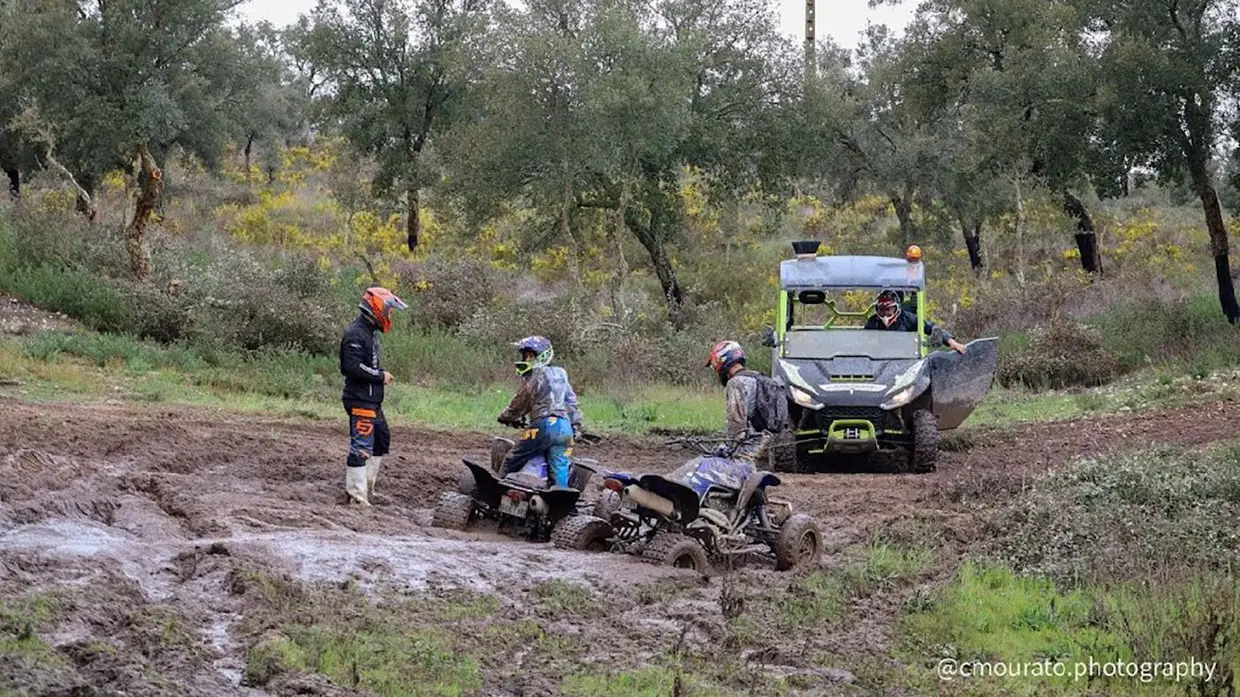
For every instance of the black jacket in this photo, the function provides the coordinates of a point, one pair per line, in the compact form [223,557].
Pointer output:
[359,363]
[906,322]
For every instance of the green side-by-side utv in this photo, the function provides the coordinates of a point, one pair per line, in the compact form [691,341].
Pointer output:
[853,390]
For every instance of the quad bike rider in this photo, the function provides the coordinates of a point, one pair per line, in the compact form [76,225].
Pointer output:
[364,381]
[716,505]
[547,403]
[535,484]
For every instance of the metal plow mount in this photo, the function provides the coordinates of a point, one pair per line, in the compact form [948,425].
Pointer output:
[959,383]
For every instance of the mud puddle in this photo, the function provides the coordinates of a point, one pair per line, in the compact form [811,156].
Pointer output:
[414,561]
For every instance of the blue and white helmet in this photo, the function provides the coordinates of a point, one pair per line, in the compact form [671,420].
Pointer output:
[540,346]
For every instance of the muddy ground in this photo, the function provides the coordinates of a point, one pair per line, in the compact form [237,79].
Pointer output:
[128,533]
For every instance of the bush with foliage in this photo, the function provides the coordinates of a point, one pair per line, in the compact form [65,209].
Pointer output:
[1064,354]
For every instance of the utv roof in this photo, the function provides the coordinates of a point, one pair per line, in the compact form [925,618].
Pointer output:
[814,273]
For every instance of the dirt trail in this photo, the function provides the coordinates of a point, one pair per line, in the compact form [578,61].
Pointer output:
[155,505]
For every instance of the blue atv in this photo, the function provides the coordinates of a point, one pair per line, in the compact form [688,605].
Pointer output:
[523,501]
[713,507]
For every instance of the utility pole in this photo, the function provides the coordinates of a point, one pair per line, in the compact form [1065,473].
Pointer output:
[811,67]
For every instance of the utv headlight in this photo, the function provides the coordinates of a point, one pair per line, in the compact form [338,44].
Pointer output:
[804,398]
[900,399]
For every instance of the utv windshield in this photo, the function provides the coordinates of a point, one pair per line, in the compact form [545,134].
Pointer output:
[830,323]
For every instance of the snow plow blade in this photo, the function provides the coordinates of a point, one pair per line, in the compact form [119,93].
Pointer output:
[959,383]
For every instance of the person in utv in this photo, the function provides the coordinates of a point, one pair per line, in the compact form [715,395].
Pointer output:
[889,314]
[744,393]
[547,406]
[364,380]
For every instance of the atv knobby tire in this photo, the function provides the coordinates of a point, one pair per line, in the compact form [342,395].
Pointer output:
[799,543]
[923,451]
[583,533]
[782,451]
[466,484]
[606,504]
[679,551]
[453,511]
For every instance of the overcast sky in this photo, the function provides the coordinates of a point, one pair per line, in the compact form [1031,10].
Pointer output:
[843,20]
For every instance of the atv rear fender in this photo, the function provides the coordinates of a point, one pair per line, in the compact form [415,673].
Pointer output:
[489,490]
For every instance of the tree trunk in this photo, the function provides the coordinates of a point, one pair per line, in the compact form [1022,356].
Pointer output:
[1218,245]
[83,202]
[652,236]
[15,183]
[413,224]
[1086,237]
[249,145]
[622,265]
[151,179]
[1020,234]
[973,242]
[904,212]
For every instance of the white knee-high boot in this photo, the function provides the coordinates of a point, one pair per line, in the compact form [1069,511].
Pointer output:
[355,484]
[372,473]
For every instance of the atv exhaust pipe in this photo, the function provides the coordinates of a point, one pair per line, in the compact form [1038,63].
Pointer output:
[645,499]
[538,505]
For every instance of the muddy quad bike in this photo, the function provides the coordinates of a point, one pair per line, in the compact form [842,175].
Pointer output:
[713,507]
[858,391]
[522,500]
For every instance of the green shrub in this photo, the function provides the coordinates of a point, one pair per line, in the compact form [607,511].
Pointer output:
[1062,355]
[444,293]
[96,302]
[1128,516]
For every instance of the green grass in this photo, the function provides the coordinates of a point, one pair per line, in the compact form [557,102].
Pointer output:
[385,659]
[21,619]
[564,598]
[992,614]
[645,682]
[811,603]
[110,365]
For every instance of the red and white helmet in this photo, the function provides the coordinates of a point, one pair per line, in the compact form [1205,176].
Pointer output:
[888,307]
[723,356]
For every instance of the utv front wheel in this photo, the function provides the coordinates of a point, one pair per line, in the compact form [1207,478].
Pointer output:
[679,551]
[453,511]
[924,449]
[799,543]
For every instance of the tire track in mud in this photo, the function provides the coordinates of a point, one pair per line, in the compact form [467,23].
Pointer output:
[169,501]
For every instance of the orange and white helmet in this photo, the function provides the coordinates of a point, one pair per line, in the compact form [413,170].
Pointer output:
[378,303]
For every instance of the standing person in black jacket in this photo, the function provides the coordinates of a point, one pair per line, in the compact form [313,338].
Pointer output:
[364,379]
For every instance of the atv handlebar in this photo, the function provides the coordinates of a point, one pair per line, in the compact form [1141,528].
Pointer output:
[521,424]
[714,445]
